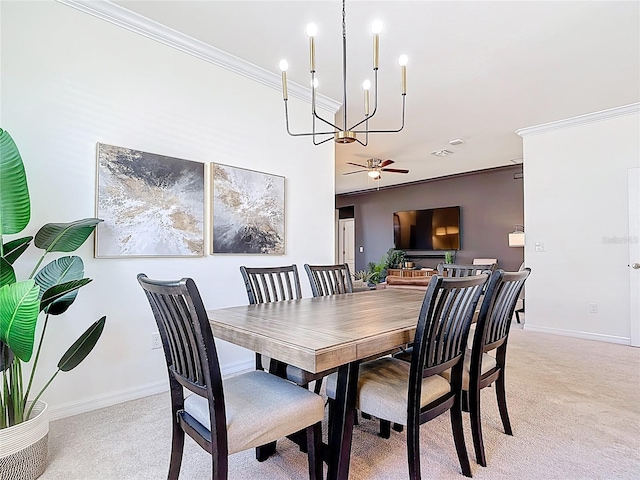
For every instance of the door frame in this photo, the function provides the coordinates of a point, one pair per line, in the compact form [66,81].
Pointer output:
[634,255]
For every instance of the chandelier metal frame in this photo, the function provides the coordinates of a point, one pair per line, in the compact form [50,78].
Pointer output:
[343,134]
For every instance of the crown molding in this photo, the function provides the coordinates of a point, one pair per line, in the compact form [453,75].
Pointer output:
[580,120]
[134,22]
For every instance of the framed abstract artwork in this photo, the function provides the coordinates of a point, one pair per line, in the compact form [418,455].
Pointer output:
[152,205]
[247,211]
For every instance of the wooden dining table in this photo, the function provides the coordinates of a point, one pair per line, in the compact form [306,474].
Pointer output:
[324,333]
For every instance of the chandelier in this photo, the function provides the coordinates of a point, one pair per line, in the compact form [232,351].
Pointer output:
[347,133]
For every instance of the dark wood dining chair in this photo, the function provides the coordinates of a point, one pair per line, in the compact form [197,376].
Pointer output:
[492,333]
[223,416]
[461,270]
[414,393]
[329,279]
[271,284]
[520,310]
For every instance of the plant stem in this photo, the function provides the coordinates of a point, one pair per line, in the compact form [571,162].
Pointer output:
[4,401]
[35,362]
[40,393]
[35,269]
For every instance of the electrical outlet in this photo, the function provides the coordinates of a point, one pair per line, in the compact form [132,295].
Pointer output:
[593,308]
[156,342]
[539,247]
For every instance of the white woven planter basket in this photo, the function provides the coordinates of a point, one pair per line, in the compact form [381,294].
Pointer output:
[23,447]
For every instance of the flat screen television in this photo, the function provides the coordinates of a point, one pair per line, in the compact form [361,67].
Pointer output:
[429,229]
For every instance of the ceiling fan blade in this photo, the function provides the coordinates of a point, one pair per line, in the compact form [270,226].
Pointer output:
[356,171]
[386,162]
[395,170]
[357,165]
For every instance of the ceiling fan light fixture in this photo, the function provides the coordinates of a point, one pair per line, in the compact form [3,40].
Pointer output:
[374,174]
[347,133]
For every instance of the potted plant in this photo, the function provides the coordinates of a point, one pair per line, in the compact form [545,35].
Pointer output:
[49,291]
[391,259]
[448,257]
[362,278]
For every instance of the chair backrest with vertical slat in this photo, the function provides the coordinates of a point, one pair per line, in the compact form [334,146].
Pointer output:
[187,339]
[271,284]
[329,279]
[497,309]
[192,359]
[459,270]
[444,322]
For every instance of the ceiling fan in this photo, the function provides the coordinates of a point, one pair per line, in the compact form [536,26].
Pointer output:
[375,166]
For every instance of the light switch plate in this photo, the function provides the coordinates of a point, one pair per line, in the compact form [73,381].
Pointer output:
[540,247]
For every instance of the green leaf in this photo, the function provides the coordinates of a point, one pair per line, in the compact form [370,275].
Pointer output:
[13,249]
[82,347]
[65,237]
[58,291]
[19,310]
[61,270]
[6,357]
[7,275]
[15,206]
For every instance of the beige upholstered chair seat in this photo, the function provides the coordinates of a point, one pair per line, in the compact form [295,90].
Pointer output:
[383,387]
[488,363]
[302,377]
[260,408]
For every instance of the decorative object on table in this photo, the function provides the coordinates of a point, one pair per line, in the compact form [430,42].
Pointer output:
[516,238]
[348,132]
[50,290]
[152,205]
[362,278]
[248,211]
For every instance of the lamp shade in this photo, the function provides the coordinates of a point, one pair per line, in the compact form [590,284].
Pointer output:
[516,239]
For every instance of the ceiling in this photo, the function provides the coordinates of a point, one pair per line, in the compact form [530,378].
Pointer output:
[477,70]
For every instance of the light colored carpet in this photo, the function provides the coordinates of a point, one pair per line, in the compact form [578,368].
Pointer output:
[574,406]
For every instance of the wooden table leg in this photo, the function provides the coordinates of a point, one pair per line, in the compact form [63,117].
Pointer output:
[341,428]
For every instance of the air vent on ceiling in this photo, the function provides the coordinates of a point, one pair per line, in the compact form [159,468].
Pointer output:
[442,153]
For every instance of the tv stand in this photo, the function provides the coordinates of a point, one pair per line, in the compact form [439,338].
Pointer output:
[409,254]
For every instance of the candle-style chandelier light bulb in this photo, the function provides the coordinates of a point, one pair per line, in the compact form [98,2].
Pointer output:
[347,133]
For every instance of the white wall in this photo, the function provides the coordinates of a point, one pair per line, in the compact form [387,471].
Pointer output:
[575,190]
[70,80]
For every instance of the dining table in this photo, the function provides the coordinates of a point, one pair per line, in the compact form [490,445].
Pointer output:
[326,333]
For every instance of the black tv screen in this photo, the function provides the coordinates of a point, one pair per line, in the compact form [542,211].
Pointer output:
[430,229]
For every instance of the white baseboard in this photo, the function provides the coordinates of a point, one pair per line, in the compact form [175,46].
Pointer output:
[573,333]
[57,412]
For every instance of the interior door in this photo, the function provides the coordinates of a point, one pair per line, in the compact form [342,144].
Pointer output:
[347,243]
[634,254]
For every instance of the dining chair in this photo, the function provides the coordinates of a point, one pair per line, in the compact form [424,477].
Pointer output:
[271,284]
[230,415]
[520,310]
[329,279]
[492,333]
[275,284]
[461,270]
[414,393]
